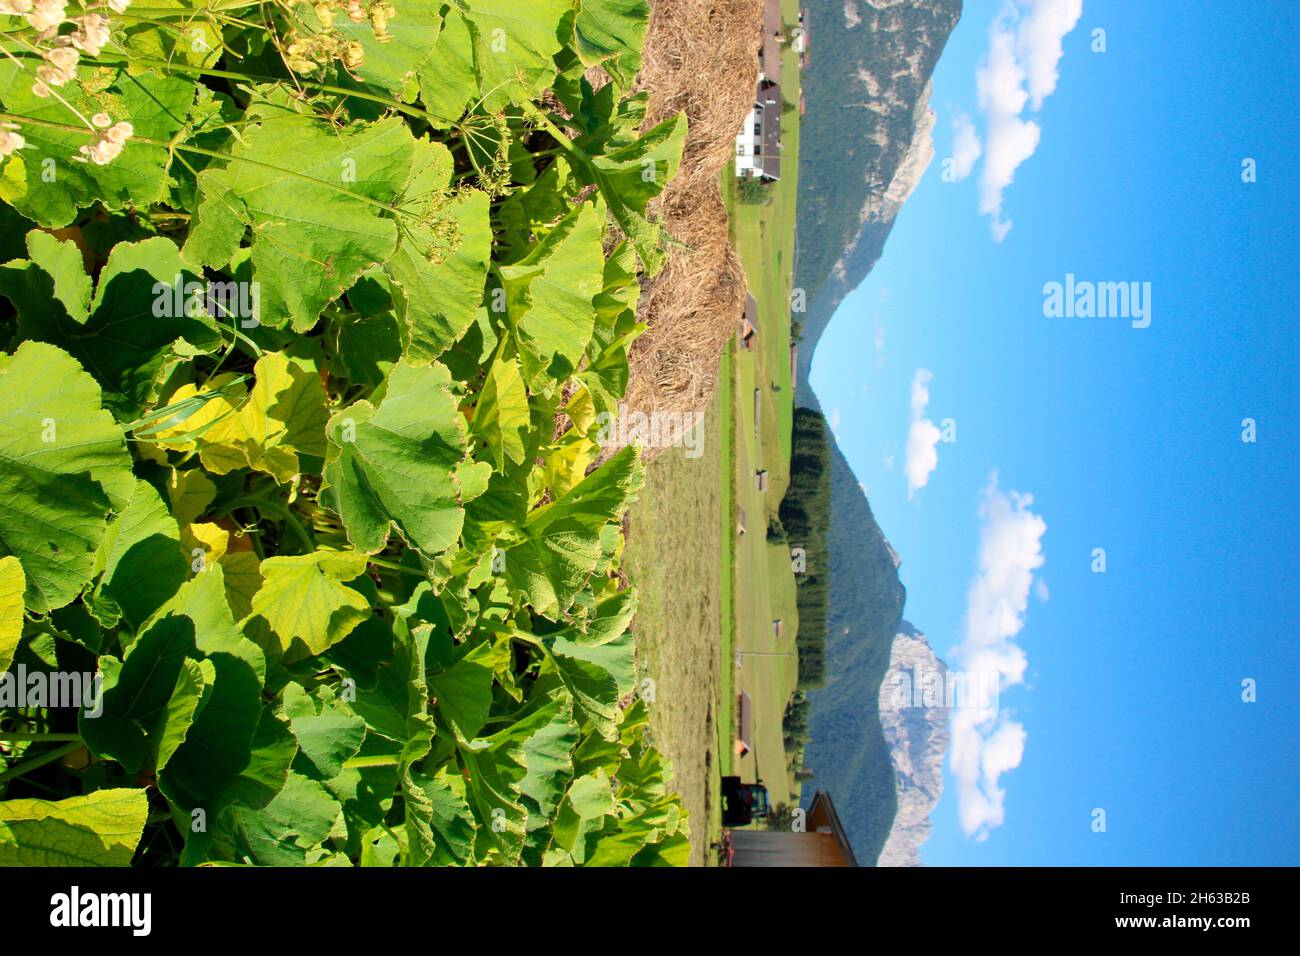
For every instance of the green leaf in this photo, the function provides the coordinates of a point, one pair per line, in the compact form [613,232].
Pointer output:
[392,64]
[598,665]
[62,260]
[133,308]
[286,831]
[317,201]
[630,176]
[501,417]
[451,821]
[12,585]
[143,560]
[447,79]
[98,829]
[63,466]
[510,48]
[306,599]
[178,715]
[192,39]
[395,465]
[136,696]
[441,263]
[560,545]
[612,32]
[549,294]
[327,734]
[586,807]
[155,107]
[219,760]
[463,691]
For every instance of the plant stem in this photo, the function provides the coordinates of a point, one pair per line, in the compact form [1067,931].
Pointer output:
[280,511]
[37,762]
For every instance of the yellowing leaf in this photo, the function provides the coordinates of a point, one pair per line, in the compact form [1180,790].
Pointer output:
[98,829]
[12,585]
[306,598]
[190,492]
[216,408]
[211,537]
[284,415]
[567,465]
[243,580]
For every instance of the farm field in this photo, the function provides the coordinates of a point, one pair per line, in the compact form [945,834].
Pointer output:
[672,555]
[747,580]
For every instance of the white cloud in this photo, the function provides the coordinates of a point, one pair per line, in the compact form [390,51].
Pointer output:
[921,456]
[1019,70]
[889,461]
[1038,44]
[986,743]
[835,419]
[880,338]
[965,146]
[1040,590]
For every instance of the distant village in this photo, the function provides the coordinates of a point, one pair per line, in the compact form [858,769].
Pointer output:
[758,144]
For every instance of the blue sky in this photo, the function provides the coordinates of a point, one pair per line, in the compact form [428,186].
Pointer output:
[1123,689]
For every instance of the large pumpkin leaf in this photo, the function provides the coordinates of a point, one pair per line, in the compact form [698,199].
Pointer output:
[133,308]
[549,294]
[395,465]
[629,177]
[501,416]
[142,558]
[98,829]
[510,47]
[560,544]
[392,64]
[306,599]
[611,33]
[63,468]
[49,182]
[317,202]
[441,263]
[12,585]
[283,417]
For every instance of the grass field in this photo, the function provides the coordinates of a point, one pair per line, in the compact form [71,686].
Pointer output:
[672,556]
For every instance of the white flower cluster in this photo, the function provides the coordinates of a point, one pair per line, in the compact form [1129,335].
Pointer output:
[110,137]
[89,35]
[10,139]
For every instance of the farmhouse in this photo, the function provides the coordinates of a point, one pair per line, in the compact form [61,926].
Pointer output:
[821,843]
[758,144]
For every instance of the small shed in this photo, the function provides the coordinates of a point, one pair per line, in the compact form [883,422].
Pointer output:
[744,724]
[822,842]
[760,479]
[740,522]
[748,330]
[778,628]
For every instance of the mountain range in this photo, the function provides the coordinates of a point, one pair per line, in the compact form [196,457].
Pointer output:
[867,91]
